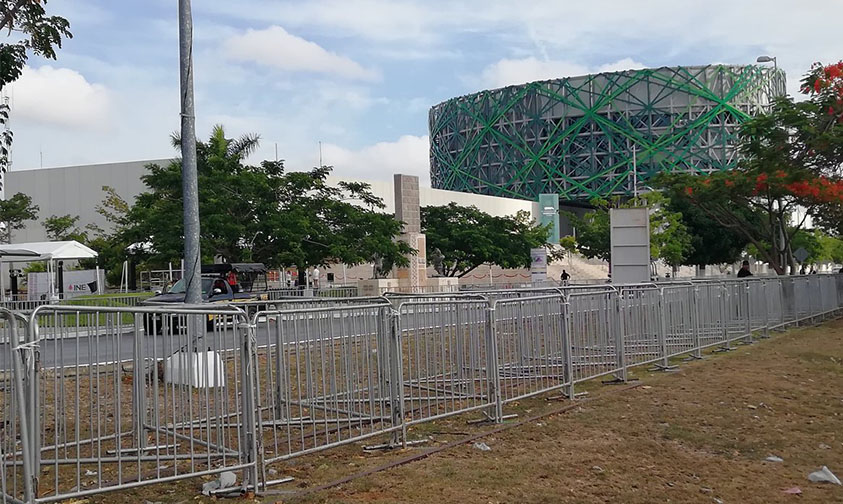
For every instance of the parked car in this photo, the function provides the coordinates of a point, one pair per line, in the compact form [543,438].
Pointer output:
[221,284]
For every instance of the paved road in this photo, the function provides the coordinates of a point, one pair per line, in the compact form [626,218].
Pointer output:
[82,346]
[108,346]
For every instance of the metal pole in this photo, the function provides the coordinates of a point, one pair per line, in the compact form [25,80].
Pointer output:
[634,174]
[189,179]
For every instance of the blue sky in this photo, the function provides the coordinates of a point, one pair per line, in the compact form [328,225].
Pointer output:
[360,75]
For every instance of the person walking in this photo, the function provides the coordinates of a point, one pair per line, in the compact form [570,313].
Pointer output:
[565,277]
[744,271]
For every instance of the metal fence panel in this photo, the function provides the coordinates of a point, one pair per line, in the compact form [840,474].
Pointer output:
[13,477]
[593,328]
[127,398]
[679,309]
[447,360]
[711,313]
[323,377]
[530,334]
[641,324]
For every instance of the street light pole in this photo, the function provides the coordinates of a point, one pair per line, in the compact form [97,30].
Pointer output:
[634,172]
[189,177]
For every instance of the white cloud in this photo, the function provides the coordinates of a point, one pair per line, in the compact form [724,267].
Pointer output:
[277,48]
[507,72]
[59,97]
[408,155]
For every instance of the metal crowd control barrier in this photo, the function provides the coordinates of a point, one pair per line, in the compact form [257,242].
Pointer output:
[447,365]
[116,406]
[325,378]
[531,338]
[15,476]
[98,399]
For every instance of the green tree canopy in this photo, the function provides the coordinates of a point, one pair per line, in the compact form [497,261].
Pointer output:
[468,238]
[791,158]
[14,212]
[261,213]
[669,237]
[34,32]
[711,243]
[64,228]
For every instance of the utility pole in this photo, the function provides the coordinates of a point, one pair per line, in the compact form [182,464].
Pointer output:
[189,178]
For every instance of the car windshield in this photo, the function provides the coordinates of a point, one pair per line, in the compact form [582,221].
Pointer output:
[179,287]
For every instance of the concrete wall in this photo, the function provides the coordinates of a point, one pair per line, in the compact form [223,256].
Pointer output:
[77,190]
[490,204]
[74,190]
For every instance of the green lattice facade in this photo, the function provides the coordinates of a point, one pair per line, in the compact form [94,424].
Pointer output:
[576,136]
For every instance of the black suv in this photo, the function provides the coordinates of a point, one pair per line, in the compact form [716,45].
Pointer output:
[221,283]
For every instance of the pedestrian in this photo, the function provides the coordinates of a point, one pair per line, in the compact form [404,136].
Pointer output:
[315,277]
[744,271]
[565,277]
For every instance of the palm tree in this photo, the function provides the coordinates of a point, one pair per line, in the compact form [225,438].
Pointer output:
[220,147]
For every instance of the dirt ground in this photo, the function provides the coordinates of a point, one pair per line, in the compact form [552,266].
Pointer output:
[696,435]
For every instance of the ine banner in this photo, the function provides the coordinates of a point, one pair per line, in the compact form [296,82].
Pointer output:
[538,265]
[76,283]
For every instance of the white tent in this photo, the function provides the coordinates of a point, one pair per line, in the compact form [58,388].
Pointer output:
[44,251]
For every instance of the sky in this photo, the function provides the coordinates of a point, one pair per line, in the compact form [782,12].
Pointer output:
[359,76]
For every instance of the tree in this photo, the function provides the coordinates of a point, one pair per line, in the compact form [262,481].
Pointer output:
[820,246]
[63,228]
[791,159]
[669,237]
[35,32]
[710,242]
[468,238]
[14,212]
[261,213]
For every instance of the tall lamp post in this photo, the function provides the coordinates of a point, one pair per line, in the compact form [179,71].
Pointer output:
[189,178]
[767,59]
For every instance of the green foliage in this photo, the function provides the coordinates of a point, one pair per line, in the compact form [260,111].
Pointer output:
[669,237]
[592,230]
[35,32]
[468,238]
[63,228]
[711,243]
[14,212]
[260,213]
[791,159]
[820,246]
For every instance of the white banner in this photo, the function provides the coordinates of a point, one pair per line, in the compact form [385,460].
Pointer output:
[538,265]
[76,283]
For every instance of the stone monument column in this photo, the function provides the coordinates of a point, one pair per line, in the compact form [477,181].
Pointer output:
[407,210]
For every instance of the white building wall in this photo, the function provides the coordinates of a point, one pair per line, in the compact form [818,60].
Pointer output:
[74,190]
[77,190]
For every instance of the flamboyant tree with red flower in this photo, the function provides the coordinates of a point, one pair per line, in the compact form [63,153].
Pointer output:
[791,158]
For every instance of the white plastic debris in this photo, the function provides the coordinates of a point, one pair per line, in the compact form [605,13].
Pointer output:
[824,475]
[226,479]
[773,458]
[482,447]
[90,473]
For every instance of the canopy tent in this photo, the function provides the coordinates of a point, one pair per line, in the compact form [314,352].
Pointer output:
[44,251]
